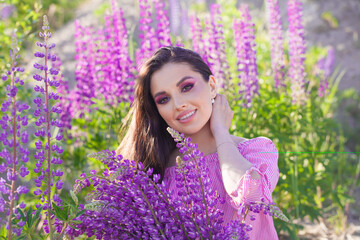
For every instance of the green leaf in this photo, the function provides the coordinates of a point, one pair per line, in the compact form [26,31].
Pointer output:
[76,221]
[73,227]
[62,214]
[29,217]
[54,213]
[22,214]
[337,199]
[80,213]
[20,237]
[37,215]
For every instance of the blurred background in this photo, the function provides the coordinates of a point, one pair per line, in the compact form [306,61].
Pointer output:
[329,24]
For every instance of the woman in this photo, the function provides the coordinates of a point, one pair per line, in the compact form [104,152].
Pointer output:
[176,88]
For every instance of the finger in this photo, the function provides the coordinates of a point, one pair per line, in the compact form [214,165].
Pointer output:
[220,99]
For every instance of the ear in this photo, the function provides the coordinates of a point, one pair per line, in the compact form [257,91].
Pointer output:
[212,84]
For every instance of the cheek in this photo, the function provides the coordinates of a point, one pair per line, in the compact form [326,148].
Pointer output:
[204,98]
[165,113]
[203,93]
[207,106]
[208,109]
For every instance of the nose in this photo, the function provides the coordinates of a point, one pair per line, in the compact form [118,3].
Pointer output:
[179,103]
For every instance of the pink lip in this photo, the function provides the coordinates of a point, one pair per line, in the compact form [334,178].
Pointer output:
[184,113]
[187,119]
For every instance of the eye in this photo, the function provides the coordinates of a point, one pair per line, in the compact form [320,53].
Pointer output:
[187,87]
[163,100]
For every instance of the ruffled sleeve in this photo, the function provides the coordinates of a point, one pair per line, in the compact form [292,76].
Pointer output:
[263,155]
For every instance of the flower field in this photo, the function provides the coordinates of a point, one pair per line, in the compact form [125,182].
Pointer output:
[60,177]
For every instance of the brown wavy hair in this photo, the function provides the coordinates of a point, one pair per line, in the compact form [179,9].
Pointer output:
[144,135]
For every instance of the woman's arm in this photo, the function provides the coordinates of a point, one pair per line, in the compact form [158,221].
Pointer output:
[232,164]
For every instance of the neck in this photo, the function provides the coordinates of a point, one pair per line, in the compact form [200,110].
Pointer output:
[204,139]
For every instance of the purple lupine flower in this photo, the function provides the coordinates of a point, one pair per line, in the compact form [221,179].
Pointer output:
[130,202]
[209,44]
[192,174]
[277,44]
[214,47]
[297,50]
[197,36]
[12,131]
[59,184]
[22,190]
[246,56]
[22,205]
[23,171]
[221,67]
[6,11]
[175,21]
[163,24]
[107,47]
[185,26]
[325,67]
[47,122]
[135,208]
[104,67]
[148,40]
[120,68]
[80,96]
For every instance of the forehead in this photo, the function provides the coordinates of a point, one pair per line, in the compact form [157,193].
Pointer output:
[169,74]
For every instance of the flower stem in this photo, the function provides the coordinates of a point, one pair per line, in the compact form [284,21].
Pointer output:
[246,212]
[203,196]
[152,211]
[62,231]
[188,193]
[14,153]
[48,172]
[171,207]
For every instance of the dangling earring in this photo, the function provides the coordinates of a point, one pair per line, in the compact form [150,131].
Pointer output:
[212,100]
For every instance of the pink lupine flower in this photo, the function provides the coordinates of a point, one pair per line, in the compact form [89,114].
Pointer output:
[163,24]
[325,66]
[297,50]
[246,56]
[148,41]
[221,67]
[197,36]
[277,48]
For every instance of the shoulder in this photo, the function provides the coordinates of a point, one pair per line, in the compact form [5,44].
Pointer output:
[237,139]
[260,141]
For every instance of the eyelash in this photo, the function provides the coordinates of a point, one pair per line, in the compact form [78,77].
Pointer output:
[161,101]
[186,88]
[188,85]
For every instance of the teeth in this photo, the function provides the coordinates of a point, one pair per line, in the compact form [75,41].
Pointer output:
[187,115]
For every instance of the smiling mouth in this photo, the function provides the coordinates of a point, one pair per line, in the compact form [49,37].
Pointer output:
[190,114]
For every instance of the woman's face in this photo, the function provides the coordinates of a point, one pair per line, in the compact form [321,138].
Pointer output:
[183,97]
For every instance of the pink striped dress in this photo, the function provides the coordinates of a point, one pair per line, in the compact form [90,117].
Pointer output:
[248,189]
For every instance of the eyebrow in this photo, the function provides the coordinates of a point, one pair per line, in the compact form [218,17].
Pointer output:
[177,84]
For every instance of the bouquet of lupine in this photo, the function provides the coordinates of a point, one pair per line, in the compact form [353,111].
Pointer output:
[129,201]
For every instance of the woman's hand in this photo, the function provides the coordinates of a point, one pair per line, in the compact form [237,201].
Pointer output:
[222,115]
